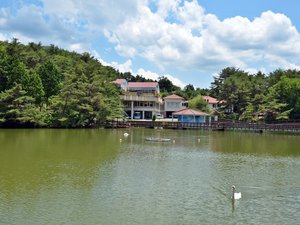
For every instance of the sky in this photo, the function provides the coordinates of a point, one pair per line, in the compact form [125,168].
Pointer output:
[187,41]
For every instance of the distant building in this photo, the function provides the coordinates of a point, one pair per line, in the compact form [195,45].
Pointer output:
[141,99]
[173,103]
[213,103]
[191,115]
[122,83]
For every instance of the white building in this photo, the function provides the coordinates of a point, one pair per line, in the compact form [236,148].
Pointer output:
[173,103]
[213,103]
[141,99]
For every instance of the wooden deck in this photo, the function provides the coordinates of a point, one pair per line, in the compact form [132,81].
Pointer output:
[217,126]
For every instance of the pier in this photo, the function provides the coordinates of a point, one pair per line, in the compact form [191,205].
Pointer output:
[214,126]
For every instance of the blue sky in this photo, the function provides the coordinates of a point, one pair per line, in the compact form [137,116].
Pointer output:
[187,41]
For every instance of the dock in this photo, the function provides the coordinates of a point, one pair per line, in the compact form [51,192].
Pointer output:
[213,126]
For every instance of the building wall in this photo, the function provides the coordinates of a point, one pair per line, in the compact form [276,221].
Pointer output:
[173,106]
[145,104]
[191,118]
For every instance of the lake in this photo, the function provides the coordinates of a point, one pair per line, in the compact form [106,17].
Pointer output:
[57,176]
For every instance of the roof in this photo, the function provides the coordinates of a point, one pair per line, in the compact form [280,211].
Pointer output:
[119,81]
[175,97]
[142,84]
[211,100]
[190,112]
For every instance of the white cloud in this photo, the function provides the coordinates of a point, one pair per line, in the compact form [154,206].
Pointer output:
[191,14]
[235,41]
[176,81]
[125,51]
[125,67]
[77,47]
[66,8]
[148,74]
[154,76]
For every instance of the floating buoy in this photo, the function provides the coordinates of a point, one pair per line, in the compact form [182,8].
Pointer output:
[173,141]
[120,139]
[199,140]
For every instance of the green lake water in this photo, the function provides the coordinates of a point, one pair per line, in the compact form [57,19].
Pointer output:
[50,176]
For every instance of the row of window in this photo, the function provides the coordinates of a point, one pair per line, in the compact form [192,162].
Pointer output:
[140,104]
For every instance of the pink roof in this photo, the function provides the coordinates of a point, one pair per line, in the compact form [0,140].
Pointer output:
[142,84]
[211,100]
[119,81]
[190,112]
[176,97]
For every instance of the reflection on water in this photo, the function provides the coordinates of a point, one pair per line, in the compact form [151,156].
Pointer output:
[90,177]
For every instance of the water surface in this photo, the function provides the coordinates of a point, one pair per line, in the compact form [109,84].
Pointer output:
[91,177]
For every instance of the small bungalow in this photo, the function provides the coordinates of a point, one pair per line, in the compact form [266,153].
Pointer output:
[191,115]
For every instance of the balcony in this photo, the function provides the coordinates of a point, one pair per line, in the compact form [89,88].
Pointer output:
[141,97]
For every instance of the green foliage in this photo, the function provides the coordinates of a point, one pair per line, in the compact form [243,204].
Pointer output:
[18,109]
[287,91]
[190,91]
[51,78]
[35,87]
[45,86]
[199,103]
[166,85]
[255,97]
[85,101]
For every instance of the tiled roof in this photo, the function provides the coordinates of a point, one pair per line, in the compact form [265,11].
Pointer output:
[119,81]
[176,97]
[142,84]
[190,112]
[210,100]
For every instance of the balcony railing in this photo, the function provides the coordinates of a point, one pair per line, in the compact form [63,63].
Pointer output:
[156,109]
[150,98]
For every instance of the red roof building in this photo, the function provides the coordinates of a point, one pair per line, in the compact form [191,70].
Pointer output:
[142,84]
[119,81]
[192,112]
[191,115]
[174,97]
[213,103]
[210,100]
[173,103]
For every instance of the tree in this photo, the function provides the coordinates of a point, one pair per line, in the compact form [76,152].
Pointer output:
[165,85]
[76,87]
[287,91]
[18,109]
[190,91]
[236,91]
[85,101]
[35,87]
[219,80]
[4,70]
[51,79]
[199,103]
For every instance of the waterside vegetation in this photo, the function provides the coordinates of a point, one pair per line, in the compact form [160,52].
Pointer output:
[45,86]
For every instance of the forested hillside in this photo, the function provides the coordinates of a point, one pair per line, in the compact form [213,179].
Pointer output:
[44,86]
[258,97]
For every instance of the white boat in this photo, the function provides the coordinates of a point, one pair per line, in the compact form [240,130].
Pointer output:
[158,139]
